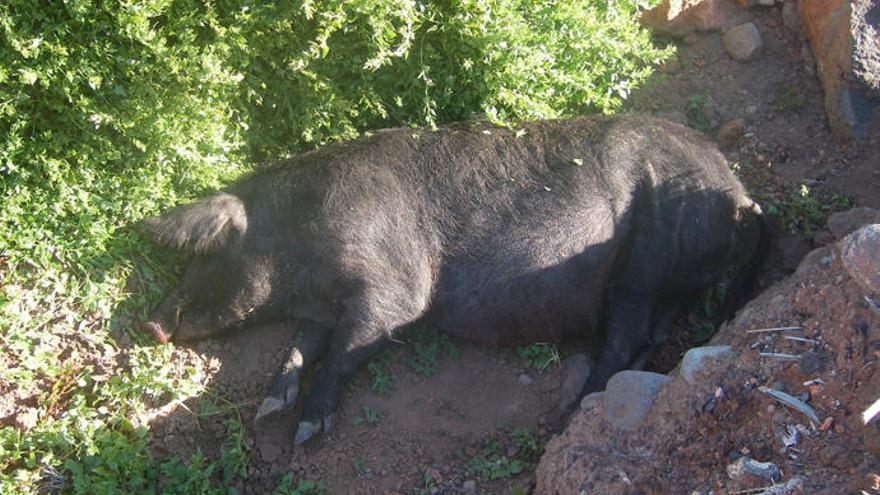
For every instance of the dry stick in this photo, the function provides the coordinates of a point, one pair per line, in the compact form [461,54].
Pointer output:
[779,355]
[800,339]
[796,403]
[777,329]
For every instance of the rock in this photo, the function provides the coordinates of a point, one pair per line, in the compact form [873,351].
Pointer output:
[730,133]
[469,486]
[681,18]
[843,223]
[269,452]
[525,379]
[577,370]
[809,363]
[738,469]
[790,18]
[743,42]
[629,396]
[695,359]
[845,36]
[590,401]
[860,253]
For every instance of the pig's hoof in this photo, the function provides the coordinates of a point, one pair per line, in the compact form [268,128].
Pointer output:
[270,405]
[306,431]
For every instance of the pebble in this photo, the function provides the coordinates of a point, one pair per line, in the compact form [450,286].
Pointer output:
[809,363]
[525,379]
[469,486]
[694,360]
[743,42]
[577,371]
[590,401]
[630,395]
[746,465]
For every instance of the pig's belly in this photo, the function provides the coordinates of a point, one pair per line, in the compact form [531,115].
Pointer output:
[511,302]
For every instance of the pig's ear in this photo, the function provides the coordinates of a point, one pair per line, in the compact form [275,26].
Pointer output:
[200,227]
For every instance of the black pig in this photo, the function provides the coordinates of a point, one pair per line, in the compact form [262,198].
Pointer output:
[494,235]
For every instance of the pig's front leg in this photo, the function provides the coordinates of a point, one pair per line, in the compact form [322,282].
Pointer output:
[310,344]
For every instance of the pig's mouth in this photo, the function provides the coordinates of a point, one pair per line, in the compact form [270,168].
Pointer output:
[156,331]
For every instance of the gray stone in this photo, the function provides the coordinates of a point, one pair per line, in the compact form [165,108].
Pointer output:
[846,222]
[746,465]
[743,42]
[590,401]
[577,371]
[809,363]
[525,379]
[269,452]
[860,253]
[629,396]
[694,360]
[469,486]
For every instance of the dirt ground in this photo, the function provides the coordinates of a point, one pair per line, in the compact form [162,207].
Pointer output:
[429,428]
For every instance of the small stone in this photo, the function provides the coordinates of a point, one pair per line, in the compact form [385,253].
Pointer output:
[743,42]
[577,371]
[694,360]
[590,401]
[731,132]
[860,253]
[525,379]
[746,465]
[809,363]
[630,395]
[469,486]
[269,452]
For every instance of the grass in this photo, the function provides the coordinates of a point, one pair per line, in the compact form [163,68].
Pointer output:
[288,486]
[789,101]
[371,417]
[492,464]
[698,111]
[539,356]
[801,210]
[428,346]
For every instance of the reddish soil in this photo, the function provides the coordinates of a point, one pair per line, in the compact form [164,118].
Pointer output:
[435,425]
[695,431]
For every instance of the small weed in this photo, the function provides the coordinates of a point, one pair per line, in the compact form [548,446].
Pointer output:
[381,380]
[801,210]
[427,485]
[494,465]
[539,356]
[527,441]
[371,417]
[304,487]
[789,101]
[360,467]
[428,346]
[698,111]
[706,314]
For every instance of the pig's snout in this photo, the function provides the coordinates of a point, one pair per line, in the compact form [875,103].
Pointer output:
[156,330]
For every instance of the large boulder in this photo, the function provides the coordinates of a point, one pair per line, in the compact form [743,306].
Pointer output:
[845,41]
[683,17]
[749,401]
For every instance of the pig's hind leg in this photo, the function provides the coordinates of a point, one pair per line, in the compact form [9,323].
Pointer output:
[310,344]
